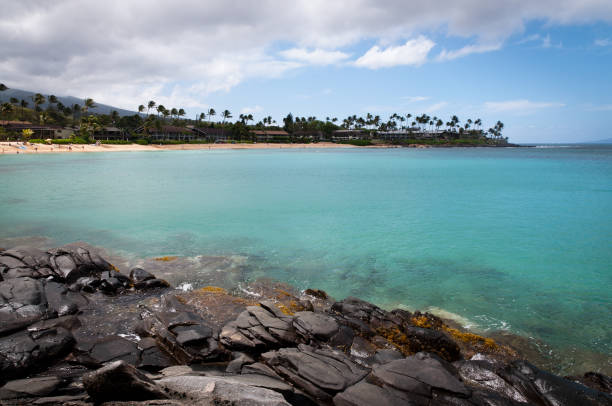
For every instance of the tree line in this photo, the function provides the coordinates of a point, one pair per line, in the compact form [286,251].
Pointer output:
[152,116]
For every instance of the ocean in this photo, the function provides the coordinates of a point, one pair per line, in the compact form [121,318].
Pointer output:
[512,239]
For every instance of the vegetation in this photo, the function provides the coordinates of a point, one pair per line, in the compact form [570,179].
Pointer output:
[153,120]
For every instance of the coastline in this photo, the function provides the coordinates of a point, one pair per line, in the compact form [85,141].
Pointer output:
[18,147]
[95,325]
[14,147]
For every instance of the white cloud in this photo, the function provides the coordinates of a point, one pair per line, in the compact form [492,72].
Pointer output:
[603,42]
[413,52]
[467,50]
[314,57]
[125,53]
[435,107]
[522,105]
[414,99]
[251,110]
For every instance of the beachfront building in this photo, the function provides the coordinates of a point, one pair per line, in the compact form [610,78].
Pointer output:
[167,133]
[212,134]
[42,132]
[270,135]
[349,135]
[109,133]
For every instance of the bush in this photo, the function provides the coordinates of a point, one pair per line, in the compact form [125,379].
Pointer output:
[115,142]
[359,143]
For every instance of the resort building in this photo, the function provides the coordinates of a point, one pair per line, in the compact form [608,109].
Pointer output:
[270,135]
[109,133]
[348,135]
[40,131]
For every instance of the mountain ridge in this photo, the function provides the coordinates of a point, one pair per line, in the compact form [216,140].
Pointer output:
[68,101]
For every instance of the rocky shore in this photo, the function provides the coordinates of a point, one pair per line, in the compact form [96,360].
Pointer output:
[75,330]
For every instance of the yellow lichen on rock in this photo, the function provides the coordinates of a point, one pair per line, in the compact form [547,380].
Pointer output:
[421,321]
[213,289]
[166,258]
[473,339]
[284,309]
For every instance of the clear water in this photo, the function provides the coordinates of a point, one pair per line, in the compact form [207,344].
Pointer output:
[517,239]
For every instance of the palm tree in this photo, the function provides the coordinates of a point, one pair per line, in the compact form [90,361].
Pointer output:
[141,108]
[76,109]
[150,106]
[173,112]
[88,104]
[181,112]
[225,115]
[165,113]
[160,109]
[23,104]
[211,113]
[38,99]
[52,100]
[114,116]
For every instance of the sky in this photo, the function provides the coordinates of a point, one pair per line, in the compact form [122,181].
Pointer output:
[542,67]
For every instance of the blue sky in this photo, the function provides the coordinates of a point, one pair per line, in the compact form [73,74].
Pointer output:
[542,67]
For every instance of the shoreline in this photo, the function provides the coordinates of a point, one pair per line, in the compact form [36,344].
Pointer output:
[15,147]
[221,270]
[93,325]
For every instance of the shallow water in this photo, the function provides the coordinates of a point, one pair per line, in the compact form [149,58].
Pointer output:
[516,239]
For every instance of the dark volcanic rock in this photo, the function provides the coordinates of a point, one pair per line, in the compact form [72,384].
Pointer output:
[523,382]
[366,394]
[26,351]
[317,326]
[151,357]
[419,374]
[320,373]
[138,274]
[33,387]
[210,390]
[182,334]
[22,302]
[259,328]
[114,348]
[120,381]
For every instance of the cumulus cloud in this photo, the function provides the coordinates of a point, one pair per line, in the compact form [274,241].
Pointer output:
[251,110]
[414,99]
[522,105]
[467,50]
[177,53]
[314,57]
[435,107]
[413,52]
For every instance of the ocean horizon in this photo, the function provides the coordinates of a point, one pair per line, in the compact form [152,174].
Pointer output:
[511,239]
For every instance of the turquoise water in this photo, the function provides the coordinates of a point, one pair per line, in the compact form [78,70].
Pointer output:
[516,239]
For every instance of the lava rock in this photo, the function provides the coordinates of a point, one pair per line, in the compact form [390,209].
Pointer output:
[220,391]
[366,394]
[114,348]
[259,327]
[315,326]
[25,351]
[320,373]
[419,374]
[33,387]
[137,274]
[22,302]
[119,381]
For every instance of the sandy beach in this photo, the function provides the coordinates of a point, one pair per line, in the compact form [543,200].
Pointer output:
[18,147]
